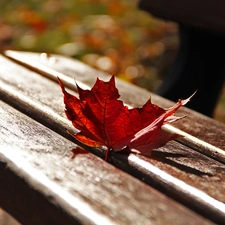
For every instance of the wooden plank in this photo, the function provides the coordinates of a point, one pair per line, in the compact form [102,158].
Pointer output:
[207,15]
[181,162]
[41,184]
[205,135]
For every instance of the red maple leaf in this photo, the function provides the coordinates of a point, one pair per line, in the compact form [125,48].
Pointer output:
[103,119]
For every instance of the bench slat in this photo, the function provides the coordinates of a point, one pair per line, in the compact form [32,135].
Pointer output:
[36,167]
[202,128]
[178,160]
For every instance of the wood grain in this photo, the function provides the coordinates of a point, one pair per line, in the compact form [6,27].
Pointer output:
[197,125]
[41,99]
[42,184]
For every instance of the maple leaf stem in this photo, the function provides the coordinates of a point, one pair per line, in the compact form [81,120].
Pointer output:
[107,154]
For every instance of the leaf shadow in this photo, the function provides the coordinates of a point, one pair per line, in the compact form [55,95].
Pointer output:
[77,151]
[165,157]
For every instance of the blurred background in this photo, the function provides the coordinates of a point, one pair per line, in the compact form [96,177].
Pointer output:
[113,36]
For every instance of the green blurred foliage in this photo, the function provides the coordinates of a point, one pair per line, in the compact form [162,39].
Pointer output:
[113,36]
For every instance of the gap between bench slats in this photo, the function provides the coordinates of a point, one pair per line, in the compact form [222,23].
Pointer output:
[41,184]
[187,165]
[200,132]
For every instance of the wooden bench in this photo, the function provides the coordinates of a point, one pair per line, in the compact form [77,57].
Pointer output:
[46,178]
[200,60]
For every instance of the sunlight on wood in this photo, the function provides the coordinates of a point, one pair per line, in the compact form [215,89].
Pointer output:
[6,219]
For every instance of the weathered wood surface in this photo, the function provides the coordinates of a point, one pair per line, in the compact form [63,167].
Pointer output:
[41,184]
[199,126]
[208,15]
[175,169]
